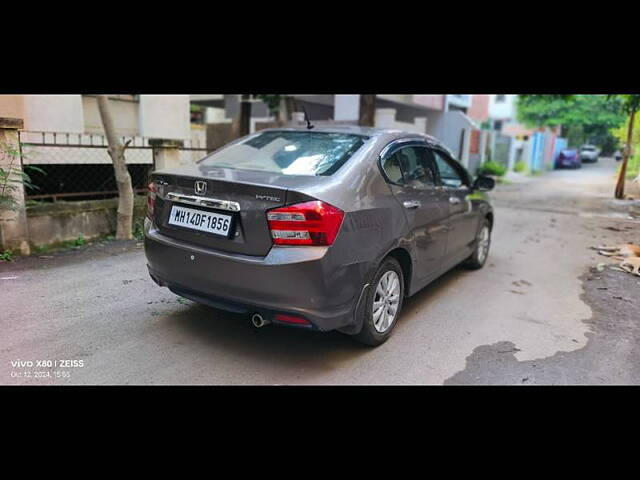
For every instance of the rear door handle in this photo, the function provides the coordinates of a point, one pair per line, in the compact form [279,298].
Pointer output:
[411,204]
[454,200]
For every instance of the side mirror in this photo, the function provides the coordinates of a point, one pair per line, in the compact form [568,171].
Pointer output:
[484,183]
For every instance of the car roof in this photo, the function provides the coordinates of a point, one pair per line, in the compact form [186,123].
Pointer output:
[391,133]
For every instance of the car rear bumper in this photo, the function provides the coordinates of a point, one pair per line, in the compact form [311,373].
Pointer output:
[302,281]
[568,163]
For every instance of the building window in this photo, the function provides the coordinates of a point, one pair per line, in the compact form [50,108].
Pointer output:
[500,98]
[197,114]
[497,125]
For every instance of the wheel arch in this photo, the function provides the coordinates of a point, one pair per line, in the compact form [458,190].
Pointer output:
[404,259]
[489,216]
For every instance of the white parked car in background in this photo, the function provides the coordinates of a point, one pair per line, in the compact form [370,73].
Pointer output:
[589,153]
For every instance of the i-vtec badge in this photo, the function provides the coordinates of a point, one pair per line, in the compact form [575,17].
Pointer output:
[268,197]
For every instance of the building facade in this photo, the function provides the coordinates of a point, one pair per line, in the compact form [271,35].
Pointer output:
[479,108]
[150,116]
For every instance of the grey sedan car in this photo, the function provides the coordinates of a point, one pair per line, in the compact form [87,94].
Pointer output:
[323,229]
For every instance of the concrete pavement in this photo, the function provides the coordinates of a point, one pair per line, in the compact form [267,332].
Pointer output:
[526,307]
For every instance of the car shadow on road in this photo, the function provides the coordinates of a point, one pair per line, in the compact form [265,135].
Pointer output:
[212,331]
[314,351]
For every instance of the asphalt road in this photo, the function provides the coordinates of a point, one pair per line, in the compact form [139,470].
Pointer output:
[535,314]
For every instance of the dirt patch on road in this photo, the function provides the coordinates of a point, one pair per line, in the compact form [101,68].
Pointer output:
[614,341]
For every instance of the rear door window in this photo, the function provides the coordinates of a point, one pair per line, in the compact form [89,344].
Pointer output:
[391,167]
[411,166]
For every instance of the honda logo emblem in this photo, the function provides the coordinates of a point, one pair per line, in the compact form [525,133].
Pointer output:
[201,187]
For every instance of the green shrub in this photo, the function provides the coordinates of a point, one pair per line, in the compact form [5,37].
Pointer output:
[492,168]
[6,256]
[138,230]
[41,248]
[520,167]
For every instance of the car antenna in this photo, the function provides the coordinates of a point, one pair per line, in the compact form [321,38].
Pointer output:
[306,117]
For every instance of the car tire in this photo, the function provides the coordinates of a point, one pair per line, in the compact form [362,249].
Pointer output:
[481,252]
[376,331]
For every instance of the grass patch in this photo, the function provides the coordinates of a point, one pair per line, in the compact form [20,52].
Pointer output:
[78,242]
[492,168]
[68,244]
[138,230]
[57,246]
[39,249]
[520,167]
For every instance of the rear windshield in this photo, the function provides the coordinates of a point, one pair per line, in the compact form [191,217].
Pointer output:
[588,149]
[289,153]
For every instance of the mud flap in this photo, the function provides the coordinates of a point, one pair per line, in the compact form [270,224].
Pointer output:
[358,315]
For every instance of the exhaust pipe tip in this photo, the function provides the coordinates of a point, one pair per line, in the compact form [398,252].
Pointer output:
[258,321]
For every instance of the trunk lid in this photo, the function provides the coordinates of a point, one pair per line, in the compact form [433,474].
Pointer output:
[255,193]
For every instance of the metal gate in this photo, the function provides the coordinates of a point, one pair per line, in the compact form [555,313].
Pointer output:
[537,151]
[501,149]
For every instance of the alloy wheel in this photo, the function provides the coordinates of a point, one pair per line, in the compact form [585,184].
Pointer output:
[483,244]
[386,301]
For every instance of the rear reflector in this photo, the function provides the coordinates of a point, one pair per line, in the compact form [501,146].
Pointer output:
[151,199]
[291,319]
[309,223]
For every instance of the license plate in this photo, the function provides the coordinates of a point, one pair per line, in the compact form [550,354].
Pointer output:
[201,220]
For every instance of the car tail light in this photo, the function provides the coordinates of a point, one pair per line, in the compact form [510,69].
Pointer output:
[309,223]
[291,319]
[151,199]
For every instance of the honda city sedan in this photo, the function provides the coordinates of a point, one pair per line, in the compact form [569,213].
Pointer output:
[323,229]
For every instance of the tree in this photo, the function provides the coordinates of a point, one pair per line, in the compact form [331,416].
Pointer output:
[584,118]
[622,133]
[12,175]
[630,105]
[123,179]
[280,106]
[541,110]
[273,102]
[549,110]
[367,110]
